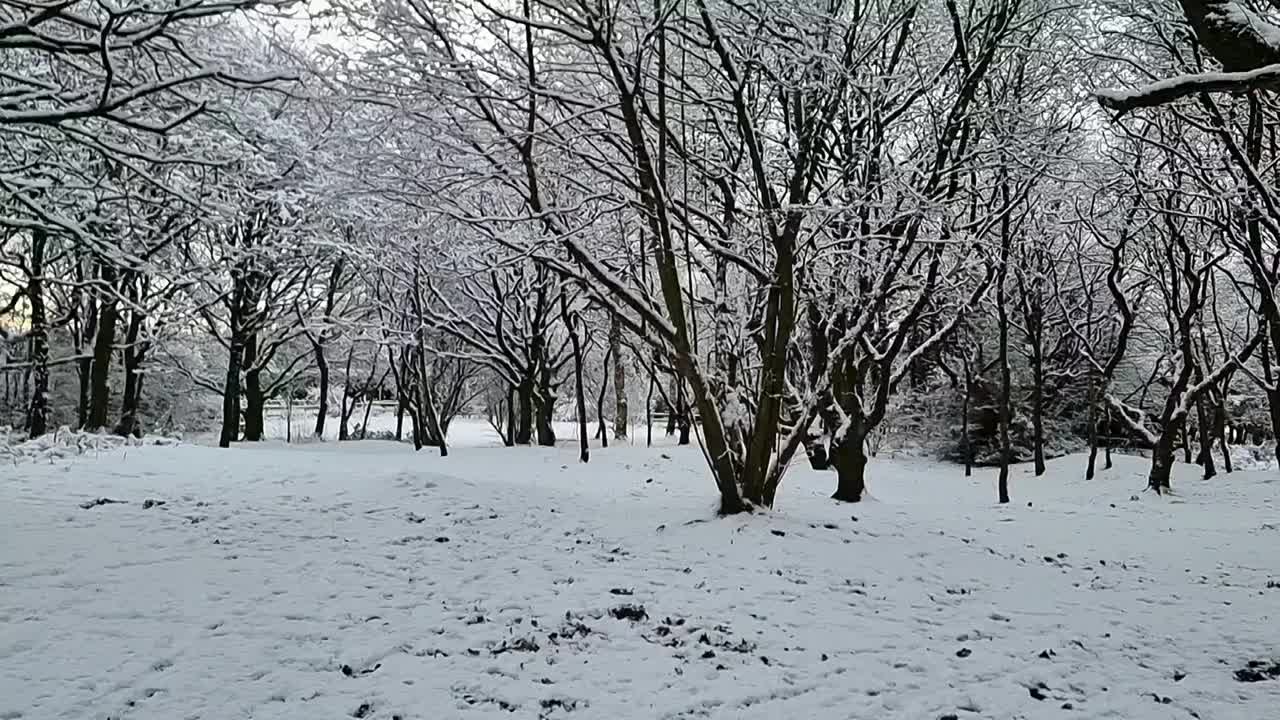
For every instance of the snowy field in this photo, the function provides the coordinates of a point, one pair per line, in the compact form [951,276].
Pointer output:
[322,581]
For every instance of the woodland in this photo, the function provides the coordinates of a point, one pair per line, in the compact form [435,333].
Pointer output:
[795,231]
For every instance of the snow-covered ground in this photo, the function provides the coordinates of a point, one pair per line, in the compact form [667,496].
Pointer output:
[330,581]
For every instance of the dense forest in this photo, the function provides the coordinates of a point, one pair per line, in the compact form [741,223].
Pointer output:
[799,231]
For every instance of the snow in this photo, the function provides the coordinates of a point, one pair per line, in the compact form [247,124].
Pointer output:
[481,585]
[1172,88]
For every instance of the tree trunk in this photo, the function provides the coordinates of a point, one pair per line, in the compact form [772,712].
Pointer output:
[84,369]
[510,439]
[544,403]
[1162,461]
[322,367]
[135,350]
[966,444]
[524,394]
[1092,421]
[1205,459]
[603,426]
[103,346]
[850,460]
[231,391]
[38,412]
[426,403]
[1273,406]
[545,406]
[1106,443]
[254,401]
[84,366]
[620,413]
[683,417]
[673,410]
[1006,391]
[344,414]
[1037,409]
[570,322]
[400,403]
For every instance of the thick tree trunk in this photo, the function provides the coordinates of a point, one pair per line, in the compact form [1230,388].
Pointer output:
[322,368]
[231,394]
[1273,407]
[544,403]
[427,404]
[255,403]
[849,458]
[510,439]
[135,351]
[545,406]
[344,414]
[129,424]
[620,411]
[1162,461]
[416,430]
[84,369]
[38,411]
[364,422]
[524,397]
[103,346]
[684,419]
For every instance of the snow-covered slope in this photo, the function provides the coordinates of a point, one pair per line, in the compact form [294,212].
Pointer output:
[363,580]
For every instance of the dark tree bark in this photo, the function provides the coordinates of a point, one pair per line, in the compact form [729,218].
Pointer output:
[849,457]
[231,391]
[545,416]
[344,413]
[255,401]
[684,414]
[620,410]
[1106,443]
[571,325]
[966,443]
[319,340]
[1002,313]
[135,354]
[1204,425]
[510,439]
[322,369]
[603,426]
[524,398]
[1090,471]
[103,348]
[38,411]
[84,340]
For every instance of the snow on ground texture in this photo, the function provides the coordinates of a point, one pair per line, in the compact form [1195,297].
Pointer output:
[363,580]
